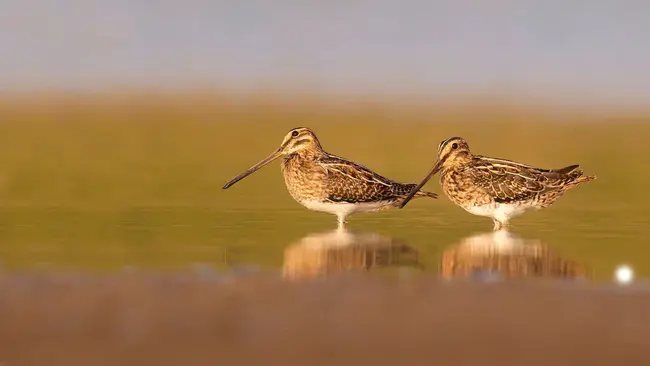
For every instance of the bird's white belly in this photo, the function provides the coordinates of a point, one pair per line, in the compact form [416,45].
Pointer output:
[344,208]
[499,211]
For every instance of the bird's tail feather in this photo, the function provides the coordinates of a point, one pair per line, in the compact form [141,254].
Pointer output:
[426,194]
[583,179]
[576,176]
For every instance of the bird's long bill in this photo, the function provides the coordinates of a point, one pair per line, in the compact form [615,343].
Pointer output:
[415,190]
[276,154]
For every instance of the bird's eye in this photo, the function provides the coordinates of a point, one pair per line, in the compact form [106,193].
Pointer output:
[454,146]
[294,133]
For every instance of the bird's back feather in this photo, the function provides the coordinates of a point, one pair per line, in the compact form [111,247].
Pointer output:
[508,181]
[354,183]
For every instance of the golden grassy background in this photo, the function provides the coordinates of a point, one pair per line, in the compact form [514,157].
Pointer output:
[102,181]
[96,183]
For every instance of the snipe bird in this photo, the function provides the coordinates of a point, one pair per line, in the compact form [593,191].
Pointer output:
[497,188]
[327,183]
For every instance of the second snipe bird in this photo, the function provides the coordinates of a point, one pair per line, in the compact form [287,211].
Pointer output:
[326,183]
[497,188]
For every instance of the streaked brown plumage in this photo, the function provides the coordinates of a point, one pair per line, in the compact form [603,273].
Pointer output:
[497,188]
[327,183]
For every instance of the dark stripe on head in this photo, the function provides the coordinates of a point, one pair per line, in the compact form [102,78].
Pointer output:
[299,142]
[445,142]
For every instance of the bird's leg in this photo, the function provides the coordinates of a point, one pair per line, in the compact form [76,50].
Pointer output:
[505,226]
[499,225]
[341,222]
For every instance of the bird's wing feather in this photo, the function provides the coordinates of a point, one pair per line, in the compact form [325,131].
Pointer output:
[350,182]
[507,182]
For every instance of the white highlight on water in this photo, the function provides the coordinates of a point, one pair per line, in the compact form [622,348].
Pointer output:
[623,274]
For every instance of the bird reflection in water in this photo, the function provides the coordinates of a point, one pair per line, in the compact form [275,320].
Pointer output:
[502,254]
[338,251]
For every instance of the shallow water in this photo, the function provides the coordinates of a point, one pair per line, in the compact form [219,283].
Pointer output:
[299,243]
[114,193]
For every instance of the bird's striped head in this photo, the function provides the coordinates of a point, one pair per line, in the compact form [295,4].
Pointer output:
[300,140]
[453,149]
[451,152]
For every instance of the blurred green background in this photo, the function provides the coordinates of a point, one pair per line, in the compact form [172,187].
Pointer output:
[104,181]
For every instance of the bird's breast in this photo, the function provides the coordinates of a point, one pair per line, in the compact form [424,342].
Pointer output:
[460,188]
[305,179]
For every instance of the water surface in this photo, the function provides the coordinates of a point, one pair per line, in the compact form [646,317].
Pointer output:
[93,187]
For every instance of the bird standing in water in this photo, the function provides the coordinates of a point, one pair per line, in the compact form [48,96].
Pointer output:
[326,183]
[497,188]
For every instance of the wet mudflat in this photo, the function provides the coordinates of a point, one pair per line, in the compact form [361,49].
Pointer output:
[204,317]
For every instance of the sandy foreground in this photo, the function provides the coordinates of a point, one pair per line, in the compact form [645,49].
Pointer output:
[136,318]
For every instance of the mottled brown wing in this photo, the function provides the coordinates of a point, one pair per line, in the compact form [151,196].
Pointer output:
[350,182]
[507,183]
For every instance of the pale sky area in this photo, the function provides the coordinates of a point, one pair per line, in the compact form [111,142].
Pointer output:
[595,50]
